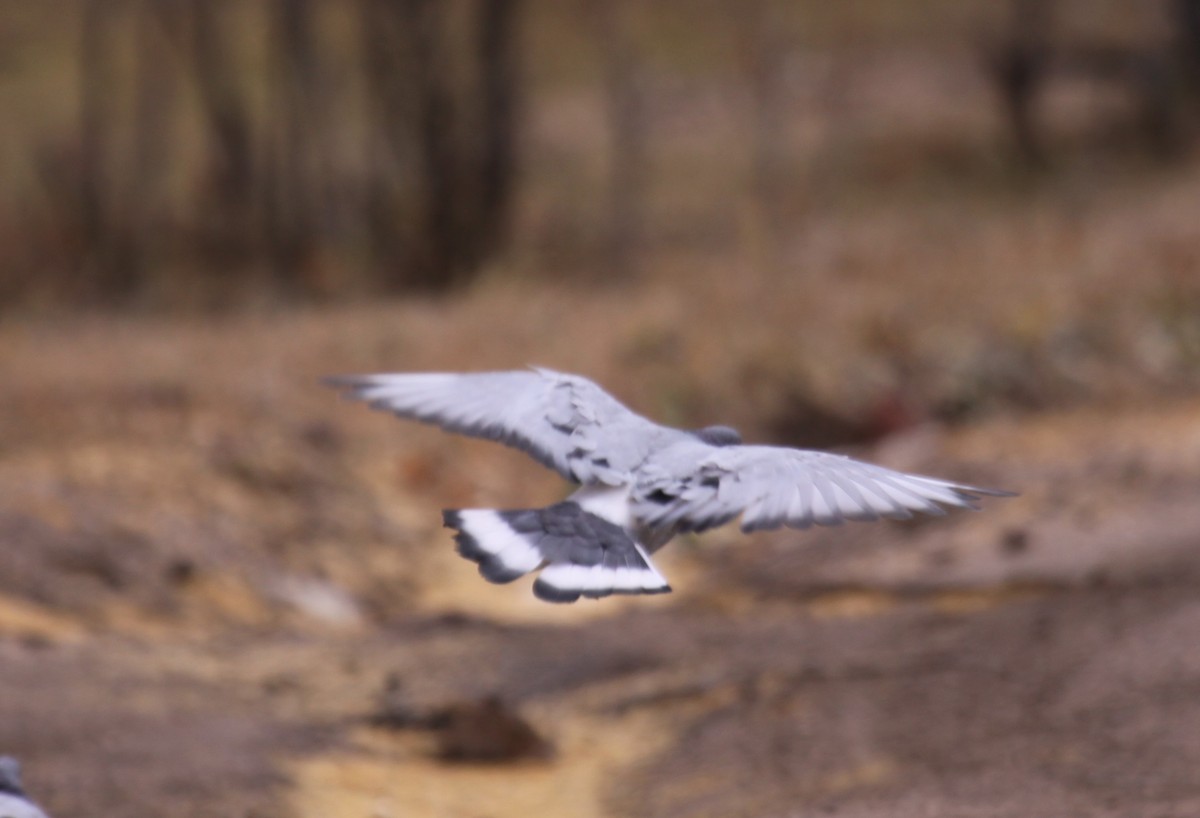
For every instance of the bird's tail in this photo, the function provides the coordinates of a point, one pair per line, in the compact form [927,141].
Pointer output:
[577,552]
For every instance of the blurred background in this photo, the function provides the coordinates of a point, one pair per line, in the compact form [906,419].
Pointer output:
[959,237]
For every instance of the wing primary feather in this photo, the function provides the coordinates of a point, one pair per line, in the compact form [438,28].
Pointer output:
[879,499]
[562,421]
[910,500]
[864,511]
[802,515]
[824,504]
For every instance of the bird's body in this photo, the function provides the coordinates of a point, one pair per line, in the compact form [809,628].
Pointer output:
[641,483]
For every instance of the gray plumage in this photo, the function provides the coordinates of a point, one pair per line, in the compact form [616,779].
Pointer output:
[565,422]
[566,535]
[649,480]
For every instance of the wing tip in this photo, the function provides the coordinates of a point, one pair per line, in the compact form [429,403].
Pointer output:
[969,496]
[335,381]
[992,492]
[965,488]
[349,385]
[966,498]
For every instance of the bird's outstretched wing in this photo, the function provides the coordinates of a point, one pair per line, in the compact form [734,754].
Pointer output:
[565,422]
[693,487]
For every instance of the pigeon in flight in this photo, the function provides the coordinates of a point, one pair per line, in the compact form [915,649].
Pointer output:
[14,803]
[640,483]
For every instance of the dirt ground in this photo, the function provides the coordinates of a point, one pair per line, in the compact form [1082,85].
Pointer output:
[223,592]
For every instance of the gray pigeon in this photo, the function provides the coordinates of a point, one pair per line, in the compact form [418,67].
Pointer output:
[641,483]
[14,803]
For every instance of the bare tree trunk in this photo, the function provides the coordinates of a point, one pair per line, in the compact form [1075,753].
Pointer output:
[225,110]
[159,24]
[438,197]
[498,67]
[1187,19]
[413,209]
[95,145]
[765,52]
[1020,68]
[627,120]
[1155,79]
[293,186]
[437,144]
[384,132]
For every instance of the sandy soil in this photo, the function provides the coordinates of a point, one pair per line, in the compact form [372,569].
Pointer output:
[225,593]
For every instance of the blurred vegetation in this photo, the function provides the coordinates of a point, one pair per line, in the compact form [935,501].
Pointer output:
[212,152]
[229,146]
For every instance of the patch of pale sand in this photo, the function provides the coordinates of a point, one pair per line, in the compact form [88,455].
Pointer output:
[389,776]
[1160,437]
[866,602]
[851,604]
[974,600]
[392,777]
[210,601]
[25,619]
[229,598]
[870,773]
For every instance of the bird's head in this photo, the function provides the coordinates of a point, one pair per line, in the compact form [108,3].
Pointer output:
[719,435]
[10,776]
